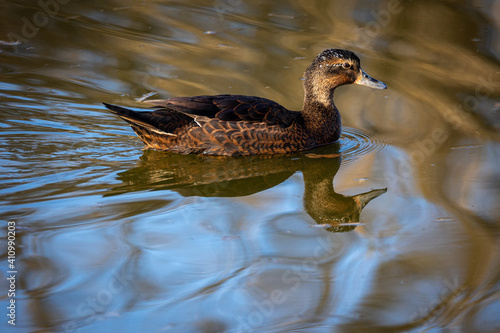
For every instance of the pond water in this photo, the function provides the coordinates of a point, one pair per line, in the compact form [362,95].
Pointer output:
[399,233]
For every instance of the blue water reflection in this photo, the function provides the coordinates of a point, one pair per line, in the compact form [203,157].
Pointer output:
[113,238]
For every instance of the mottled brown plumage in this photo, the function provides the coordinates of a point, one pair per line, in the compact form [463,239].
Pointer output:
[245,125]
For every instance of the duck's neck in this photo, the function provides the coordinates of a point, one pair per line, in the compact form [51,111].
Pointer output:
[321,117]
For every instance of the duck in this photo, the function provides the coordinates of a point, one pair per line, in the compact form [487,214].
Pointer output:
[238,125]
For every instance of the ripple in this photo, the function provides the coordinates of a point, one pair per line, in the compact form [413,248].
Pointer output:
[355,143]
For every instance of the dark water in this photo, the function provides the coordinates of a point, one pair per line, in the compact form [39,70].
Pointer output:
[110,237]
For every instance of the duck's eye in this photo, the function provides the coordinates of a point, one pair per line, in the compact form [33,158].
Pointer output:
[346,65]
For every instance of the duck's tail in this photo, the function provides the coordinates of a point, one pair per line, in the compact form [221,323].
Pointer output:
[140,122]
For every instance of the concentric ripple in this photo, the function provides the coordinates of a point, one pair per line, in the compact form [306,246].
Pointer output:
[355,143]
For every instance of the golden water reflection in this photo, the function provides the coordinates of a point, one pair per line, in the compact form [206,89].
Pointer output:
[115,239]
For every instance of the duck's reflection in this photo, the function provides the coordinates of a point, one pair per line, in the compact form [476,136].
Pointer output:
[193,175]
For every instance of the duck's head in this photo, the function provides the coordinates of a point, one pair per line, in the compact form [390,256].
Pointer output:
[333,68]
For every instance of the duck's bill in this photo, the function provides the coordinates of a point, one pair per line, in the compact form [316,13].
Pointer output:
[366,80]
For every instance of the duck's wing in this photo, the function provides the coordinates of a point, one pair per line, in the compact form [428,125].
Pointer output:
[159,122]
[231,108]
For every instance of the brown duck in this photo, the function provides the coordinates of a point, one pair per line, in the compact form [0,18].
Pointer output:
[237,125]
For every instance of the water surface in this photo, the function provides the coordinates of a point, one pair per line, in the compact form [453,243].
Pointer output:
[398,233]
